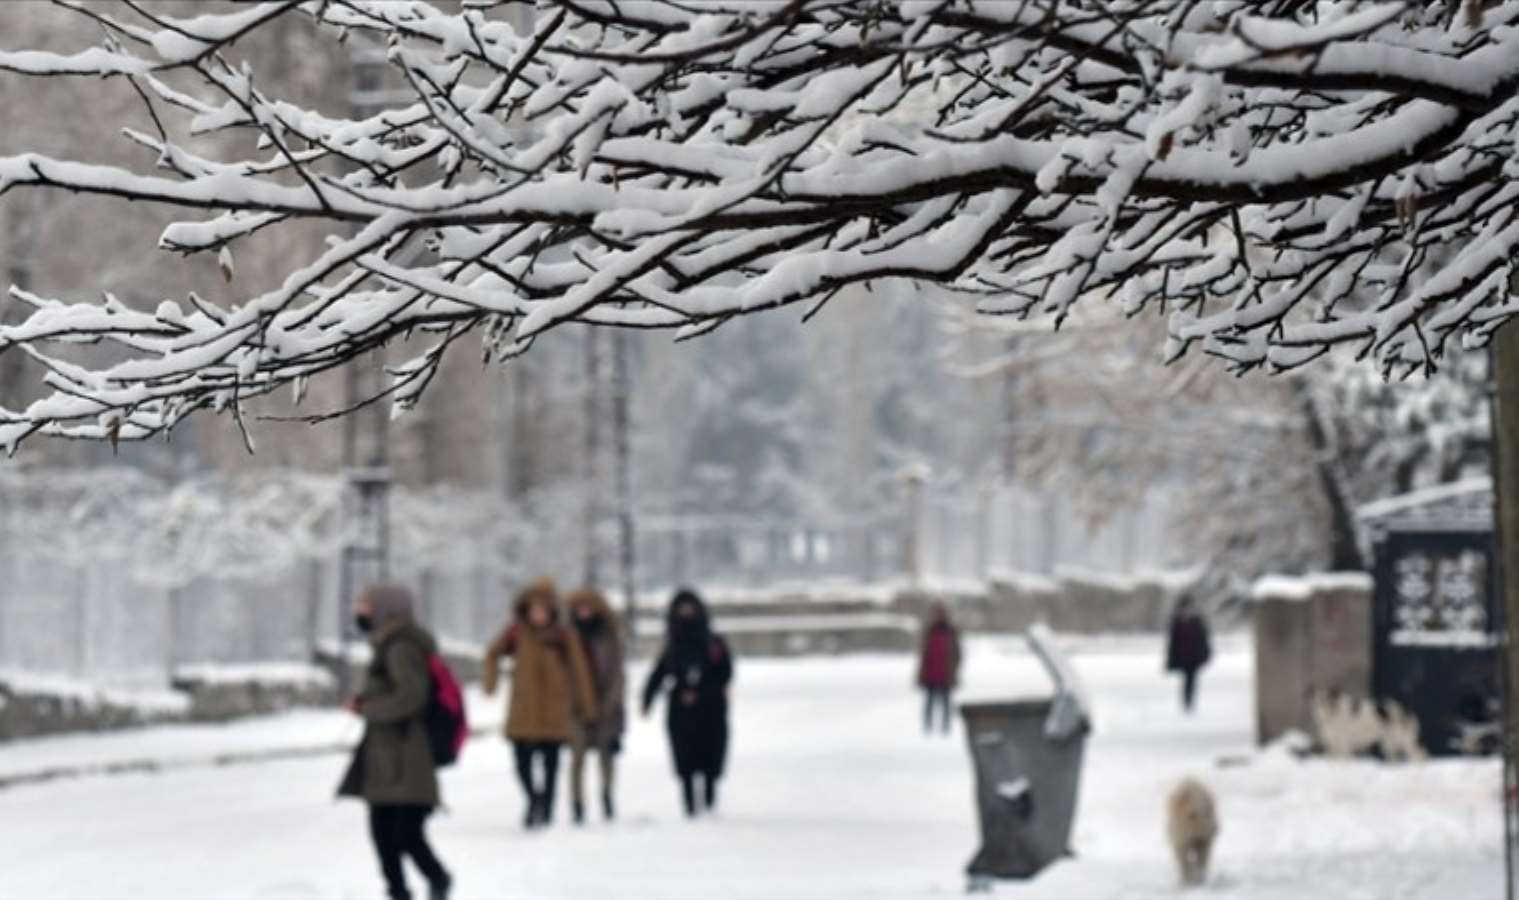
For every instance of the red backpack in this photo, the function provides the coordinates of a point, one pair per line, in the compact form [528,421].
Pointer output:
[447,727]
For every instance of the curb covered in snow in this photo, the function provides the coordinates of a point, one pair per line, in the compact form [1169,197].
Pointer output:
[148,766]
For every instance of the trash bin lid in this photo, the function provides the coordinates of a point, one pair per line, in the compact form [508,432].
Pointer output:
[1071,710]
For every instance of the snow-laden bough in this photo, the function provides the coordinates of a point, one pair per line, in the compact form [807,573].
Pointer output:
[1276,178]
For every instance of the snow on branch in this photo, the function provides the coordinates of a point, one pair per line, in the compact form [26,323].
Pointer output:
[1275,177]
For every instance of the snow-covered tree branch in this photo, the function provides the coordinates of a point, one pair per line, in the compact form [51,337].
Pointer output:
[1277,177]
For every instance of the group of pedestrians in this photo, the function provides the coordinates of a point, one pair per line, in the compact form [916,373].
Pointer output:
[556,699]
[567,688]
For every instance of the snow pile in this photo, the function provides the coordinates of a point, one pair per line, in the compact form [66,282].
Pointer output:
[1301,588]
[354,652]
[817,622]
[268,673]
[1172,581]
[32,704]
[1024,582]
[84,696]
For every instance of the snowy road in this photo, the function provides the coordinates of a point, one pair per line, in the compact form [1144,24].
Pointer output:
[834,794]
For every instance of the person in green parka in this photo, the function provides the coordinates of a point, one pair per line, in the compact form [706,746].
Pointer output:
[393,768]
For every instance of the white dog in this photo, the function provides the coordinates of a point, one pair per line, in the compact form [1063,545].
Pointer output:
[1191,826]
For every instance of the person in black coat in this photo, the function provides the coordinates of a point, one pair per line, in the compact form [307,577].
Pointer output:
[696,667]
[1188,648]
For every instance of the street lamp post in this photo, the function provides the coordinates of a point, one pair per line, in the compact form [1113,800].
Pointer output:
[914,477]
[366,544]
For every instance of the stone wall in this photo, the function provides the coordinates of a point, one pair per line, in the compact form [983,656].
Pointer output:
[796,623]
[1072,602]
[219,694]
[31,707]
[1311,635]
[841,620]
[801,635]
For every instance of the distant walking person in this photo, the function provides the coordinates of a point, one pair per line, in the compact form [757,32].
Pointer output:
[393,769]
[939,667]
[1188,648]
[600,635]
[551,693]
[697,668]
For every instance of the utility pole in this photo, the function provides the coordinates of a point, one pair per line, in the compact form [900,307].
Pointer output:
[1009,403]
[591,464]
[1505,413]
[622,396]
[366,501]
[914,477]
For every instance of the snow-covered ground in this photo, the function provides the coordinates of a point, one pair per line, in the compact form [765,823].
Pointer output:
[834,794]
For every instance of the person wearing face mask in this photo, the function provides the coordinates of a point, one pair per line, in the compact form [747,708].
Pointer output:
[600,636]
[551,693]
[393,769]
[696,669]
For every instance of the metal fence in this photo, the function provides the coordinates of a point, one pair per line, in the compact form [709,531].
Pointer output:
[112,574]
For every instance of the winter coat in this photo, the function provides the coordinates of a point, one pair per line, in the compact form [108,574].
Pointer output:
[551,682]
[939,659]
[1187,648]
[696,667]
[393,765]
[601,640]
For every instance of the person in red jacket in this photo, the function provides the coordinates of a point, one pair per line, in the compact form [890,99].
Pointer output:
[938,667]
[1188,648]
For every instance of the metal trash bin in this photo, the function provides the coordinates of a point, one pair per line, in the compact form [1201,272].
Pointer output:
[1027,755]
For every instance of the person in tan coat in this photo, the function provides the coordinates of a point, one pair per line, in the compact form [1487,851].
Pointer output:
[600,634]
[551,692]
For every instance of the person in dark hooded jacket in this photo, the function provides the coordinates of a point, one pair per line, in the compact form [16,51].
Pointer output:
[939,667]
[1188,648]
[696,668]
[393,768]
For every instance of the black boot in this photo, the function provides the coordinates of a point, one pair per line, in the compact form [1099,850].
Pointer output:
[440,890]
[711,797]
[531,820]
[607,808]
[688,792]
[578,809]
